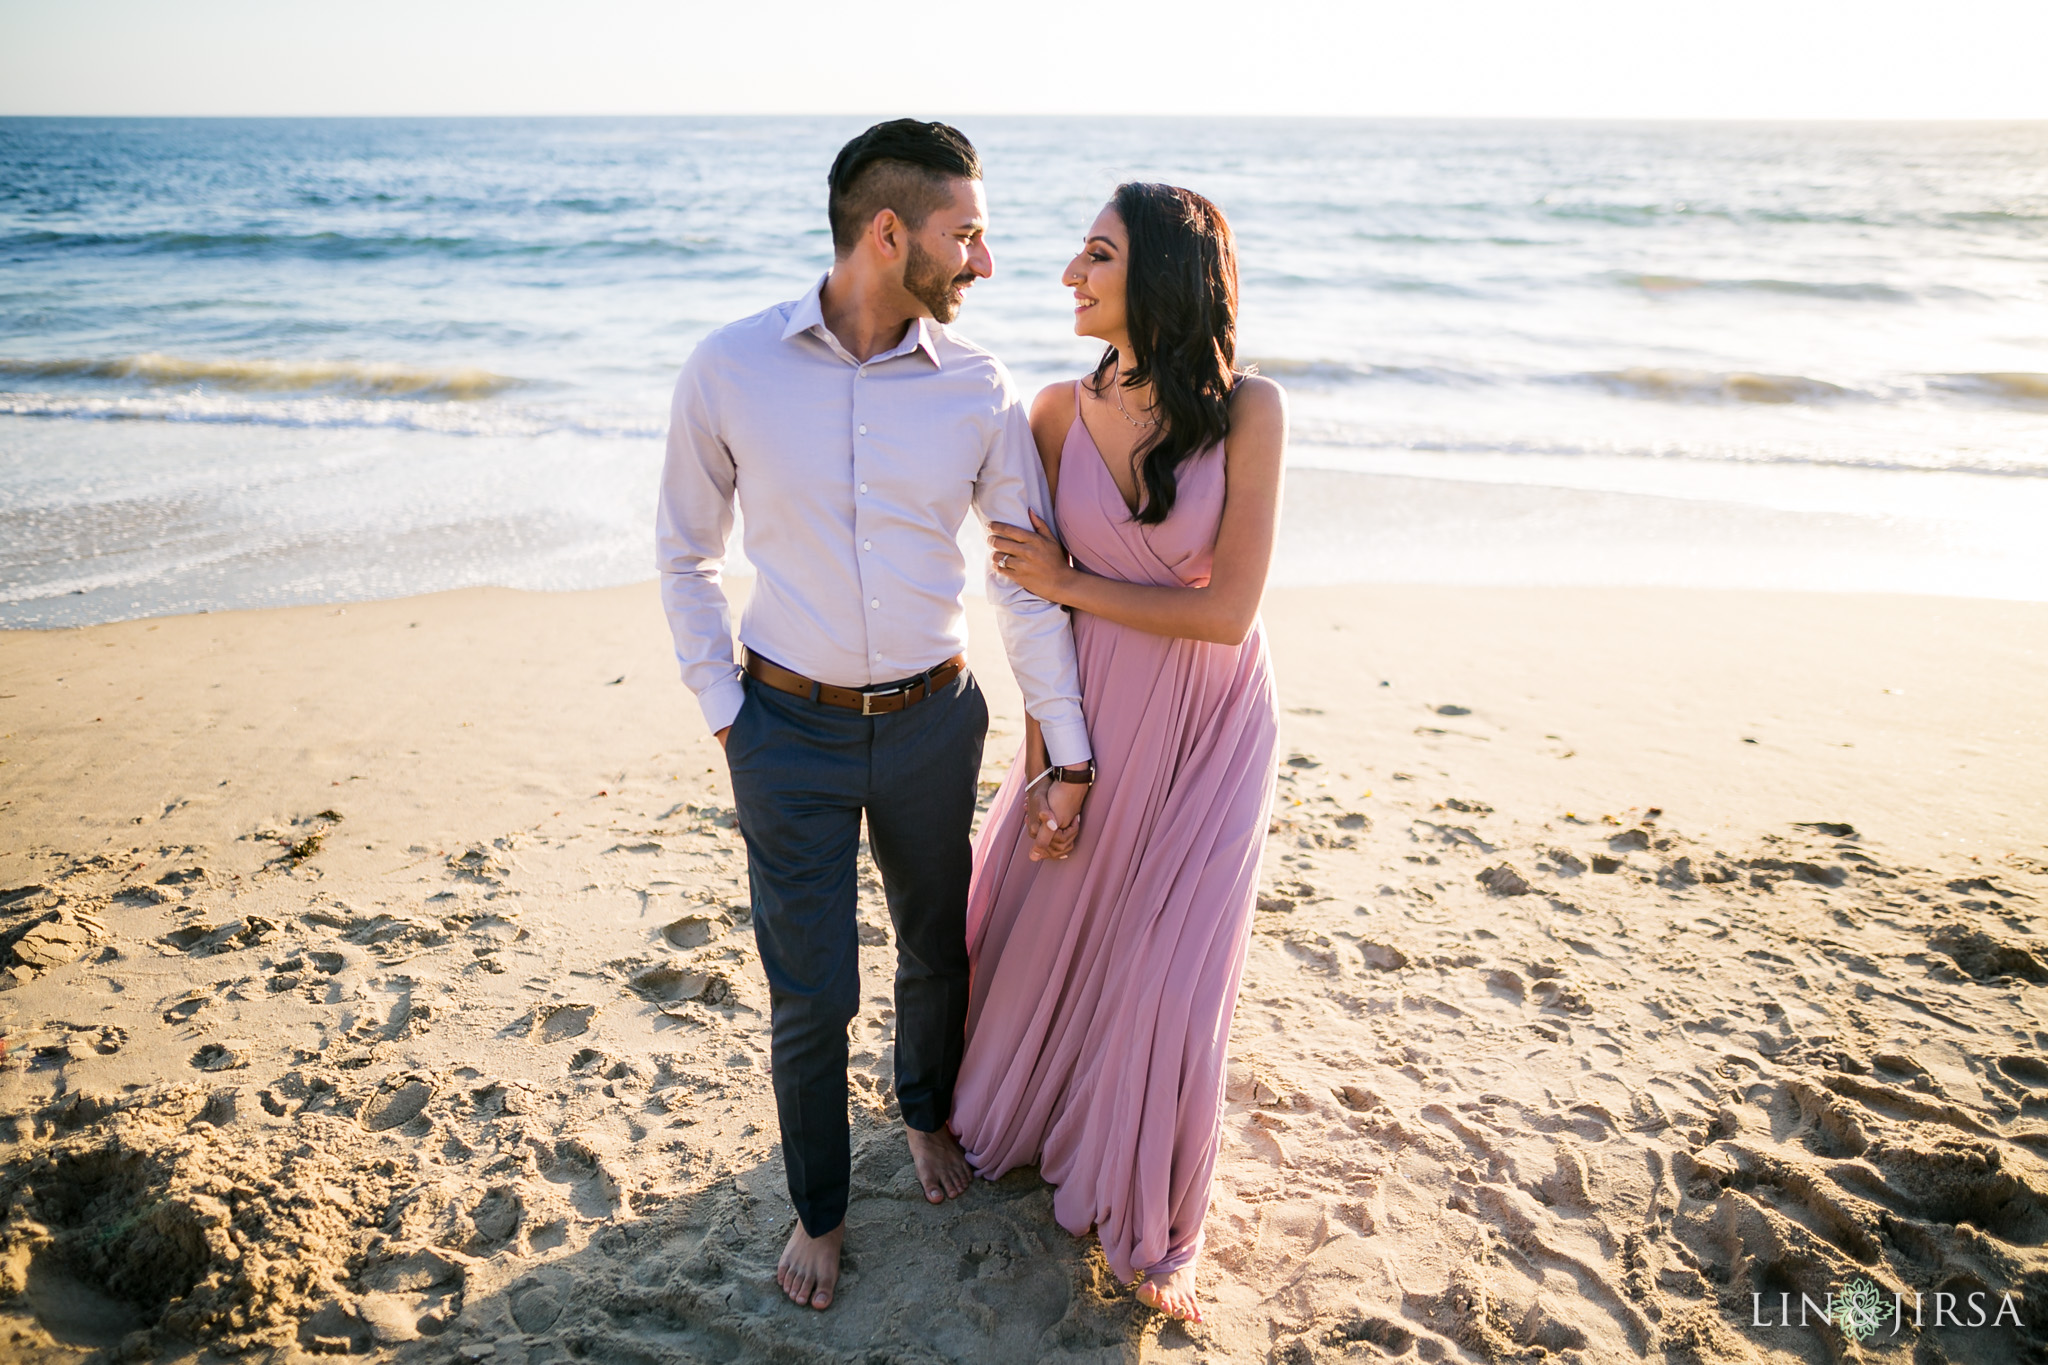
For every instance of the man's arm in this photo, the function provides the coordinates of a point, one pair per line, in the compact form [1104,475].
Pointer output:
[693,521]
[1036,633]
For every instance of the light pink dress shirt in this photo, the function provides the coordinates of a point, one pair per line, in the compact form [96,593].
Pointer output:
[854,480]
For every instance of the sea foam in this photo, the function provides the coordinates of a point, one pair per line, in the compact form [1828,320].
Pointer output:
[276,376]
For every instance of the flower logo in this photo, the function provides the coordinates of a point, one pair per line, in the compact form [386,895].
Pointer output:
[1859,1308]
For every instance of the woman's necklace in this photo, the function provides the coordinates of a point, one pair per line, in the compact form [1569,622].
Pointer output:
[1117,392]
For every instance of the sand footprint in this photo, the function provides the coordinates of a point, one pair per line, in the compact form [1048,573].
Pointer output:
[554,1023]
[679,985]
[398,1101]
[694,931]
[223,1055]
[1011,1285]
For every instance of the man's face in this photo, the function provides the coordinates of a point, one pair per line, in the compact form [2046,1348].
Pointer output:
[949,252]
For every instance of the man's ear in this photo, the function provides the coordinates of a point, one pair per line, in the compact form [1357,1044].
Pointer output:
[888,234]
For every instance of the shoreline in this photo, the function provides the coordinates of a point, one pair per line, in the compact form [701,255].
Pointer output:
[412,934]
[1515,522]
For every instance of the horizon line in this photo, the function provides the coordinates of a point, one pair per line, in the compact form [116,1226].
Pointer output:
[1150,116]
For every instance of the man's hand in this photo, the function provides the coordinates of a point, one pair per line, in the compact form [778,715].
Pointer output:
[1053,819]
[720,735]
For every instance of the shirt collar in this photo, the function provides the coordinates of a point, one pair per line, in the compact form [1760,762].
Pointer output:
[807,314]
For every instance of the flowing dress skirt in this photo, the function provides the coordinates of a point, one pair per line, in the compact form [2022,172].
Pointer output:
[1103,985]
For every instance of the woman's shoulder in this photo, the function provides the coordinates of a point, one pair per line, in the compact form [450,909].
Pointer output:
[1258,425]
[1256,398]
[1052,414]
[1055,402]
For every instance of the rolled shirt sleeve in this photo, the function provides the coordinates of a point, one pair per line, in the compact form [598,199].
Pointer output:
[693,522]
[1036,633]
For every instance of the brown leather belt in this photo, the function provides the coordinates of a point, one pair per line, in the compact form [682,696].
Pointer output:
[876,701]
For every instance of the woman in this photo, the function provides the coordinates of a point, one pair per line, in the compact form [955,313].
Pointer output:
[1107,953]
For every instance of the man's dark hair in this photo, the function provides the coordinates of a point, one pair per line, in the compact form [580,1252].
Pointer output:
[903,165]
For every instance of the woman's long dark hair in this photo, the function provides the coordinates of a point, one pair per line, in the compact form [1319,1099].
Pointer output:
[1180,306]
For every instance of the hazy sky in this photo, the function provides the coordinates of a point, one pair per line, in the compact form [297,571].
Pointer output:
[1570,58]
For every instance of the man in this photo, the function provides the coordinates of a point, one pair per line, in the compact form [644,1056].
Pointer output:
[857,430]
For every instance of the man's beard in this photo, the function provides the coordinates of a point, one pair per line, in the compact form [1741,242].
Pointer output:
[932,284]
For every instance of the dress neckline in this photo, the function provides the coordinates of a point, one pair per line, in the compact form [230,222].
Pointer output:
[1130,512]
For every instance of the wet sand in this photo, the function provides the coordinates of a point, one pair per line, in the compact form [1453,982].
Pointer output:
[379,980]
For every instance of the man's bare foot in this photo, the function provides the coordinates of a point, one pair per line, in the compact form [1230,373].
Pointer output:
[1173,1295]
[941,1165]
[809,1270]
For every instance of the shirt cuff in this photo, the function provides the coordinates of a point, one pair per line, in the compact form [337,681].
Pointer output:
[1066,742]
[721,702]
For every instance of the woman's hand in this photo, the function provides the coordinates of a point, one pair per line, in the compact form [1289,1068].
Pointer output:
[1052,820]
[1034,560]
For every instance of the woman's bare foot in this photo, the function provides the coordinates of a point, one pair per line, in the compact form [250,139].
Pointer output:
[1173,1295]
[809,1270]
[941,1165]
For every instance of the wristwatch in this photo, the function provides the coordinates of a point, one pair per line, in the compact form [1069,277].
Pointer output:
[1069,775]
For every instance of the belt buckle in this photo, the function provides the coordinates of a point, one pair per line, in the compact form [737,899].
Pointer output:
[867,698]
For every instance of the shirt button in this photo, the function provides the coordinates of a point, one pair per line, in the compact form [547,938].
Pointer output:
[863,429]
[863,488]
[875,602]
[867,545]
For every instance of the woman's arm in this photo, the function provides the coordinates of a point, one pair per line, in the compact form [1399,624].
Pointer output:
[1224,610]
[1034,748]
[1052,414]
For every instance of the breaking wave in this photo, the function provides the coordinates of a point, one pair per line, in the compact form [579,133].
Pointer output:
[339,246]
[2002,388]
[1333,372]
[271,376]
[1696,386]
[332,412]
[2009,386]
[1854,291]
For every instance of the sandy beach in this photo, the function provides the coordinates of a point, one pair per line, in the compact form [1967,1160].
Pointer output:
[378,979]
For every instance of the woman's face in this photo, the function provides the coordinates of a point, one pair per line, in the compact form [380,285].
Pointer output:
[1096,275]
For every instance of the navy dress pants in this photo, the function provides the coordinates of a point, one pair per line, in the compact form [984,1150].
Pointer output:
[803,774]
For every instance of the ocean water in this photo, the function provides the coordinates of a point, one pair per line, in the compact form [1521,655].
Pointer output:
[271,361]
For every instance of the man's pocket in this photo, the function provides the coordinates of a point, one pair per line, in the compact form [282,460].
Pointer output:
[742,738]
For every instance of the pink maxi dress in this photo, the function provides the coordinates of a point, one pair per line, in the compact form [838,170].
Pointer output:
[1103,985]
